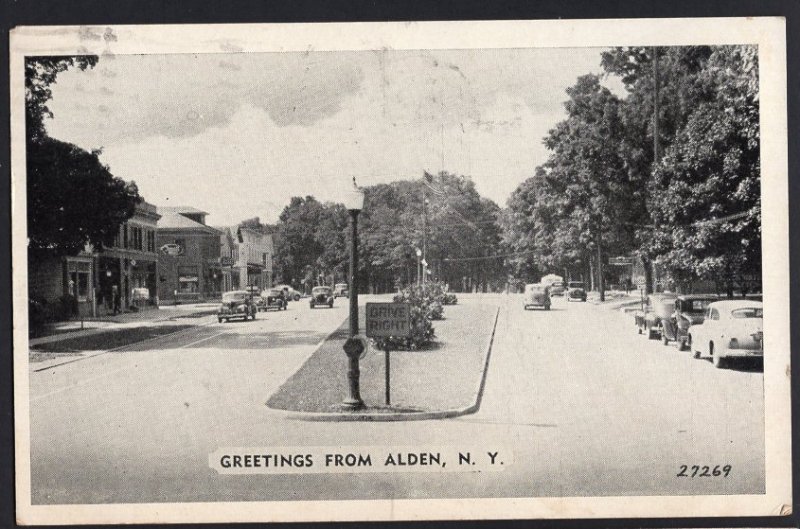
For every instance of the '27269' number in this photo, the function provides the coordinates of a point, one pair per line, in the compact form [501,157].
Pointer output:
[696,471]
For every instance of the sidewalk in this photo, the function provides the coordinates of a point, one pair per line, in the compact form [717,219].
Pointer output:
[440,381]
[72,329]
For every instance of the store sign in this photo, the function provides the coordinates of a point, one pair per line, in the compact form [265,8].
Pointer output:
[187,279]
[226,261]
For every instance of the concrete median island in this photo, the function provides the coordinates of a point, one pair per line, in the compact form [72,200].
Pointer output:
[442,380]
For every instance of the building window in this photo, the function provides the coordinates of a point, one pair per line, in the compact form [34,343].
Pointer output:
[188,280]
[136,238]
[264,259]
[79,274]
[124,235]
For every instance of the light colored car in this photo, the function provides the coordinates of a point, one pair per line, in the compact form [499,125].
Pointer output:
[291,294]
[730,329]
[340,290]
[236,304]
[537,295]
[557,288]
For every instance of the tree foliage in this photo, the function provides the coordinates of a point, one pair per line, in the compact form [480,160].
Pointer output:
[696,211]
[73,199]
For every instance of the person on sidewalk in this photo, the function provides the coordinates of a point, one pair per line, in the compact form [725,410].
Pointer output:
[116,297]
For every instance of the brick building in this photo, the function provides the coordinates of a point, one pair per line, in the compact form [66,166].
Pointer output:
[189,260]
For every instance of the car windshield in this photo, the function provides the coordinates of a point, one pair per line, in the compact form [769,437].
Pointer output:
[575,284]
[749,312]
[274,292]
[697,305]
[229,297]
[535,288]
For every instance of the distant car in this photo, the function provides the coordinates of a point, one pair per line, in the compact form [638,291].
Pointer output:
[291,294]
[731,329]
[576,291]
[236,304]
[272,299]
[658,308]
[557,288]
[171,249]
[340,290]
[690,309]
[537,295]
[321,296]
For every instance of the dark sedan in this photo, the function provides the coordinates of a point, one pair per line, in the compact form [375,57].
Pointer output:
[690,310]
[321,296]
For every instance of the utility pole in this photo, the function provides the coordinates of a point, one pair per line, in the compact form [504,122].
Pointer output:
[648,265]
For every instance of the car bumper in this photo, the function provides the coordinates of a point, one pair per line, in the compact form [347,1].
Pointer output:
[742,353]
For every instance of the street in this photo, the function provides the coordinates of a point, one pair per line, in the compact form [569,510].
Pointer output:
[586,406]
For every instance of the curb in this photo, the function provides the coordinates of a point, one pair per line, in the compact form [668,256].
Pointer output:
[400,416]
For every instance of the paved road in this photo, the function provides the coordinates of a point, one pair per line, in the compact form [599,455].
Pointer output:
[579,403]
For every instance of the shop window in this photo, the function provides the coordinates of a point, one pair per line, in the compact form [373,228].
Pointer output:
[188,280]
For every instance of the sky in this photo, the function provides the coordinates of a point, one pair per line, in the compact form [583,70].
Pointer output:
[239,134]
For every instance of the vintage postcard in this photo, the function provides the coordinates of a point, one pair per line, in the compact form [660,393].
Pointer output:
[401,271]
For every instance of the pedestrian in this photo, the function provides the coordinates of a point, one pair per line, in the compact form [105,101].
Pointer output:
[117,299]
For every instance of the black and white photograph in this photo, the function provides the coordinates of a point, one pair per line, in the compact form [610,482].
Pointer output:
[436,270]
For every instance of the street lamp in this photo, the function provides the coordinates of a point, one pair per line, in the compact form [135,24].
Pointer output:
[354,202]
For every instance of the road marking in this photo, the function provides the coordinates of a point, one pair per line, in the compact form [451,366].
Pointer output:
[200,340]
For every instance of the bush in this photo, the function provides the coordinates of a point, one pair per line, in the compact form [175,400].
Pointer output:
[68,307]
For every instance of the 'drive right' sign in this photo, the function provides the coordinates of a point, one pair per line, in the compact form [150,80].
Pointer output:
[388,319]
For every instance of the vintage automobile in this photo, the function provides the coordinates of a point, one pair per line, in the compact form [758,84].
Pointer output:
[272,299]
[321,296]
[731,329]
[291,294]
[236,304]
[576,291]
[690,309]
[557,288]
[537,295]
[340,290]
[658,308]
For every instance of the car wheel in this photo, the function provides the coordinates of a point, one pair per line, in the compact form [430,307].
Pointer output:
[219,320]
[330,304]
[638,328]
[311,305]
[664,338]
[650,334]
[297,297]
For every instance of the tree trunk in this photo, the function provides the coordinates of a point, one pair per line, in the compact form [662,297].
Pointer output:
[648,275]
[600,284]
[591,273]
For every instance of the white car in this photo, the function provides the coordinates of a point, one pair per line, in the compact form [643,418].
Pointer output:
[730,329]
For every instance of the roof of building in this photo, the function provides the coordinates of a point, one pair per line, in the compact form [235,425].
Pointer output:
[181,209]
[175,221]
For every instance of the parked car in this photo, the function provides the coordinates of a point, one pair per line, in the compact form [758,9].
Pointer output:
[340,290]
[171,249]
[272,299]
[658,308]
[690,309]
[291,294]
[236,304]
[731,329]
[321,296]
[576,291]
[557,288]
[537,295]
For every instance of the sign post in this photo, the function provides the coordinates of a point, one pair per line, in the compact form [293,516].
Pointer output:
[388,320]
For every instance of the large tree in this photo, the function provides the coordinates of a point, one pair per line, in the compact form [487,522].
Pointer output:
[73,199]
[706,203]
